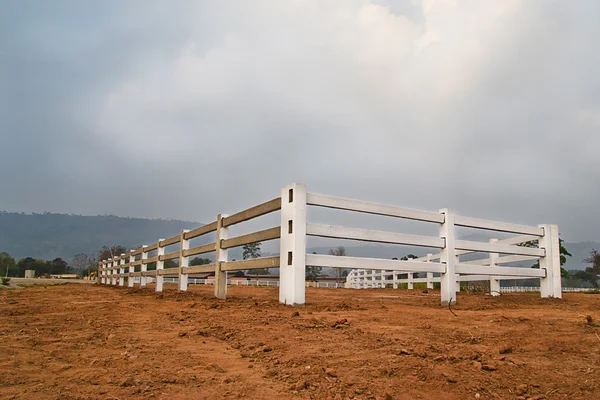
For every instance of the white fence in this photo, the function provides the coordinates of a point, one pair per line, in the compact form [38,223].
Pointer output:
[521,289]
[198,281]
[294,229]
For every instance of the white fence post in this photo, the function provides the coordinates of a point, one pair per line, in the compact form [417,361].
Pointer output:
[122,270]
[429,274]
[221,256]
[494,283]
[292,261]
[395,279]
[131,268]
[113,272]
[448,257]
[104,272]
[551,285]
[183,260]
[411,284]
[160,251]
[144,267]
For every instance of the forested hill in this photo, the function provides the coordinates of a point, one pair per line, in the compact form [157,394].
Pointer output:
[48,235]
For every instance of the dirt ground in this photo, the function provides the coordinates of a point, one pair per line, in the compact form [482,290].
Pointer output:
[96,342]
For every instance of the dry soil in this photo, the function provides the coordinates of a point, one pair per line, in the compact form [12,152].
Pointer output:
[96,342]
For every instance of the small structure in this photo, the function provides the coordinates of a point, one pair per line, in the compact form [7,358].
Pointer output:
[29,273]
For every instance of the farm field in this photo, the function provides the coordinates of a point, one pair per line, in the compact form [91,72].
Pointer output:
[95,342]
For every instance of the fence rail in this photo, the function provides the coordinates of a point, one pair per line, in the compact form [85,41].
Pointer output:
[444,267]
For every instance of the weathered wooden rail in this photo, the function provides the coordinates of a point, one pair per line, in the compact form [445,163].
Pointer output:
[294,229]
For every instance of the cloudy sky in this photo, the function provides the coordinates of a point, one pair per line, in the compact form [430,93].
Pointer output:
[183,109]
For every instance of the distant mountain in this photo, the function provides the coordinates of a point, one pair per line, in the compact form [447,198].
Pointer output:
[49,235]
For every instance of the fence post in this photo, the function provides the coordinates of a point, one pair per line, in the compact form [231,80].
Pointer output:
[448,257]
[103,272]
[292,251]
[410,277]
[551,285]
[122,270]
[494,283]
[373,279]
[183,260]
[160,251]
[395,279]
[131,269]
[221,256]
[144,267]
[363,281]
[113,279]
[430,274]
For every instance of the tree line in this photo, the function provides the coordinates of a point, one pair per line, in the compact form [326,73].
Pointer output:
[9,267]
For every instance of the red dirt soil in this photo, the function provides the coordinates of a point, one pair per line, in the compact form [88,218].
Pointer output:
[97,342]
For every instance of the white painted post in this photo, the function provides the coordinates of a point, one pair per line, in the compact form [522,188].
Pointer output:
[383,284]
[494,283]
[373,278]
[430,274]
[183,260]
[395,279]
[104,274]
[551,285]
[144,267]
[221,256]
[160,251]
[130,278]
[108,272]
[349,279]
[448,257]
[122,270]
[292,259]
[113,278]
[410,281]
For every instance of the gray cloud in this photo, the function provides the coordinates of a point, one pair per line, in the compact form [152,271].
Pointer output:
[492,108]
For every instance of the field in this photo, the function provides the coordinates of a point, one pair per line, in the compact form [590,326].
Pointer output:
[87,341]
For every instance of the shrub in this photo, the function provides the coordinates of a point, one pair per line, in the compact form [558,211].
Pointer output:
[5,281]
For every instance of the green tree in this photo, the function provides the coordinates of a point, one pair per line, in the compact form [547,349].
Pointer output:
[199,261]
[593,273]
[313,271]
[340,273]
[252,250]
[58,266]
[7,265]
[28,263]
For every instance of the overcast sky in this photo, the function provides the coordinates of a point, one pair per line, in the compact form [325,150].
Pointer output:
[184,109]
